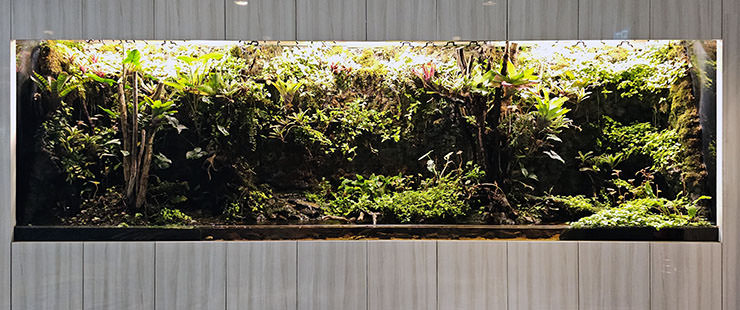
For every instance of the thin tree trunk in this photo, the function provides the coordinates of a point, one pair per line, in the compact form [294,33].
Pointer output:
[134,149]
[86,113]
[124,128]
[146,153]
[479,108]
[475,140]
[493,149]
[144,179]
[135,118]
[138,159]
[465,127]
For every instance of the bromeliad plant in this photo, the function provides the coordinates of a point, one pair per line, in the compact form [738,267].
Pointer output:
[551,111]
[196,75]
[289,91]
[426,72]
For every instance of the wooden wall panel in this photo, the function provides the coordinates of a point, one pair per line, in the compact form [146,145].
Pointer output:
[341,20]
[47,19]
[685,276]
[190,276]
[261,20]
[472,275]
[614,275]
[407,20]
[189,19]
[332,275]
[115,19]
[35,267]
[729,151]
[543,275]
[543,19]
[47,275]
[613,20]
[118,276]
[261,275]
[686,19]
[7,170]
[401,275]
[471,20]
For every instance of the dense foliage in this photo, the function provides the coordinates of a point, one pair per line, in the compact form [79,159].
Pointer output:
[182,134]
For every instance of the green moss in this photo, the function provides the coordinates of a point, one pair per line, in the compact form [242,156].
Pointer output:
[252,202]
[685,120]
[647,212]
[432,204]
[578,204]
[110,48]
[366,58]
[168,217]
[167,194]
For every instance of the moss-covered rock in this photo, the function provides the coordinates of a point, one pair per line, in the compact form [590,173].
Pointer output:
[50,61]
[684,118]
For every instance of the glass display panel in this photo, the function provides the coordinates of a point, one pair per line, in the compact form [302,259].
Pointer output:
[588,134]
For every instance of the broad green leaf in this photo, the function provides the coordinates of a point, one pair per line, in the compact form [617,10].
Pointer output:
[214,55]
[196,153]
[110,113]
[178,199]
[162,161]
[692,211]
[96,78]
[175,85]
[133,58]
[510,69]
[113,141]
[175,123]
[554,138]
[425,155]
[554,156]
[222,130]
[186,59]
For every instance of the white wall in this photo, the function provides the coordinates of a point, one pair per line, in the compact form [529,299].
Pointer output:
[373,274]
